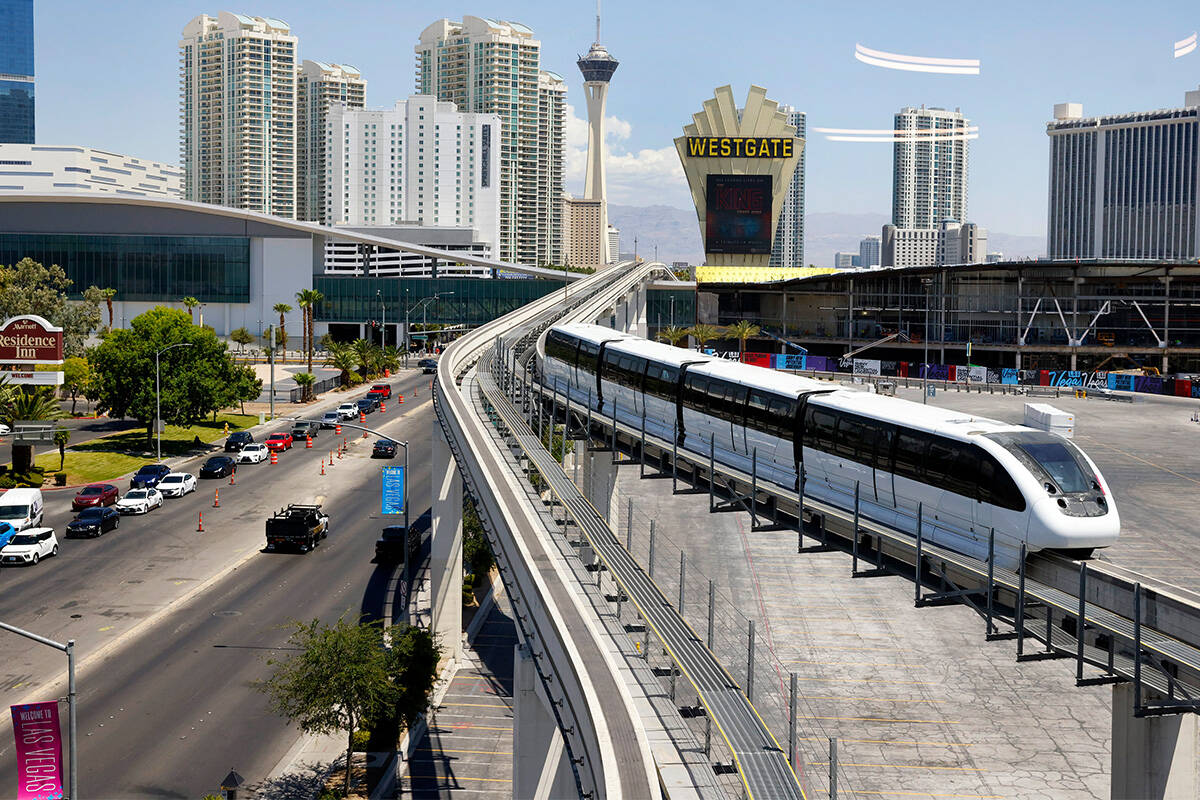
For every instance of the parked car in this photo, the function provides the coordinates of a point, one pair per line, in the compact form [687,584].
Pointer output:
[148,476]
[384,448]
[94,521]
[302,429]
[253,454]
[140,501]
[177,484]
[330,419]
[30,547]
[279,441]
[218,467]
[384,389]
[22,508]
[348,410]
[367,405]
[389,547]
[95,494]
[237,440]
[4,429]
[428,365]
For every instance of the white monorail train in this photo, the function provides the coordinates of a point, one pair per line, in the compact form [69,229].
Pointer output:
[970,475]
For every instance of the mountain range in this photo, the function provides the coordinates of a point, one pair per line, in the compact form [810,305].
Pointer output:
[676,233]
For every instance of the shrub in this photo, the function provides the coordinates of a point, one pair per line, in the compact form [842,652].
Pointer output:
[361,740]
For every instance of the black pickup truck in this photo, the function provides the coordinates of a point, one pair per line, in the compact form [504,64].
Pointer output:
[299,525]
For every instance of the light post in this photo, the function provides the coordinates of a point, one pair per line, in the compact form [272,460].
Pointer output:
[423,305]
[69,649]
[407,344]
[672,311]
[158,393]
[926,282]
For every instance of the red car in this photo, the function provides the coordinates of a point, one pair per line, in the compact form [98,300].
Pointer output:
[96,494]
[384,389]
[279,441]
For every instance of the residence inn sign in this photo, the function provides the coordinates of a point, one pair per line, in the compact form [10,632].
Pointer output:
[30,339]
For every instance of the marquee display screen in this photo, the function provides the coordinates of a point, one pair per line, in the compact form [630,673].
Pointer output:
[738,214]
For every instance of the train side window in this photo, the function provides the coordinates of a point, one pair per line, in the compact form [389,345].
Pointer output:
[996,486]
[881,459]
[780,414]
[819,428]
[911,447]
[939,464]
[587,357]
[964,476]
[756,411]
[849,434]
[695,392]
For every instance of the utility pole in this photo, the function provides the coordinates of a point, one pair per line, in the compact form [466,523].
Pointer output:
[271,359]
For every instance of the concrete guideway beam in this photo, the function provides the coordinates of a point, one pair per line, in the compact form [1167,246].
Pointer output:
[1153,756]
[541,768]
[446,549]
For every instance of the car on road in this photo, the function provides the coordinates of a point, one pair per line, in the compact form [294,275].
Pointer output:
[22,508]
[177,484]
[4,429]
[237,440]
[29,547]
[384,389]
[428,365]
[300,525]
[389,547]
[218,467]
[7,532]
[302,429]
[148,476]
[94,521]
[281,440]
[330,419]
[384,448]
[95,494]
[376,397]
[140,501]
[253,454]
[348,410]
[367,405]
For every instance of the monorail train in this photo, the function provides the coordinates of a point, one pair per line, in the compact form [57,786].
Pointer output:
[970,475]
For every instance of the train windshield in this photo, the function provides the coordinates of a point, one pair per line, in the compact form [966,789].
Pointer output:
[1057,459]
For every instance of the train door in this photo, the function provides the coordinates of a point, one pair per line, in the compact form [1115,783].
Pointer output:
[881,473]
[854,450]
[952,465]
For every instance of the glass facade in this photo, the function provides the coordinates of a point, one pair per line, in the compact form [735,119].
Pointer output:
[16,67]
[474,302]
[660,311]
[213,269]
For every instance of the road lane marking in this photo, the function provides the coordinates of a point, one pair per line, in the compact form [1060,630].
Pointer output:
[890,741]
[105,628]
[476,705]
[450,750]
[871,681]
[897,766]
[885,719]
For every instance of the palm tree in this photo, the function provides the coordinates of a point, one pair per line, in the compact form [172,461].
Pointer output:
[389,359]
[281,309]
[362,354]
[305,381]
[62,437]
[742,330]
[673,335]
[108,295]
[307,300]
[341,356]
[36,405]
[191,304]
[704,333]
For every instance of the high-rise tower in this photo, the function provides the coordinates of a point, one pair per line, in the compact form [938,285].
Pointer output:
[597,68]
[16,71]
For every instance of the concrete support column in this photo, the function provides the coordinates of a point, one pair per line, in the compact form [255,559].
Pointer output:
[600,482]
[541,768]
[446,549]
[1153,757]
[641,316]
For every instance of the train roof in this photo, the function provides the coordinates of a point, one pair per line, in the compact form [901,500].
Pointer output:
[759,377]
[662,353]
[914,415]
[592,333]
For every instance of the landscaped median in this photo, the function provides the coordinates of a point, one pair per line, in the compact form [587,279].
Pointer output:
[110,457]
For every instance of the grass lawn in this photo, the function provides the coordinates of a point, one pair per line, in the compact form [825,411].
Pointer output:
[109,457]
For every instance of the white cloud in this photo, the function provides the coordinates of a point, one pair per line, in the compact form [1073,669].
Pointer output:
[642,177]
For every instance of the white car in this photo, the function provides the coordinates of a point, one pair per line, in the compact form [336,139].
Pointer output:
[177,484]
[253,454]
[140,501]
[4,429]
[348,410]
[30,547]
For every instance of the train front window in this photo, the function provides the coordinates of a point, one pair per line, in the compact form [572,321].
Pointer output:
[1057,460]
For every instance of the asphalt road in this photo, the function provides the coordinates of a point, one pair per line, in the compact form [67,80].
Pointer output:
[167,708]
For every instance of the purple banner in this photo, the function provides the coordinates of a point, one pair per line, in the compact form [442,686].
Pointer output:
[39,751]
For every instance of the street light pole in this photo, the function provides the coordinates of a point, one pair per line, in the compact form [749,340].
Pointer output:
[407,343]
[158,393]
[382,319]
[271,360]
[69,649]
[925,367]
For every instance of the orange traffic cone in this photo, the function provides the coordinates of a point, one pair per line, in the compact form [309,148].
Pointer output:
[401,399]
[337,429]
[233,477]
[362,418]
[308,443]
[274,456]
[365,434]
[322,466]
[216,498]
[200,523]
[382,406]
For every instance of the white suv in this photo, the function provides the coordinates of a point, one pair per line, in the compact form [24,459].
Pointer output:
[348,410]
[30,547]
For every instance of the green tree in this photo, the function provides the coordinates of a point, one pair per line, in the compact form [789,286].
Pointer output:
[341,356]
[389,358]
[190,304]
[342,676]
[673,335]
[196,380]
[76,377]
[742,330]
[108,295]
[33,404]
[28,287]
[362,352]
[62,437]
[477,553]
[704,333]
[241,337]
[305,381]
[281,336]
[307,300]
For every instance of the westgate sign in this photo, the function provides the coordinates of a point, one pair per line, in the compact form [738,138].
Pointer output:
[740,146]
[30,339]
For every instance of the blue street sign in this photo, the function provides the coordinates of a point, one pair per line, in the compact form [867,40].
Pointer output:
[393,491]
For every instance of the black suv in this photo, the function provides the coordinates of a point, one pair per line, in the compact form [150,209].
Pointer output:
[384,448]
[237,440]
[428,365]
[367,406]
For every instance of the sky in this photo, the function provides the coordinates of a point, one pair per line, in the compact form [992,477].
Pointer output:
[107,77]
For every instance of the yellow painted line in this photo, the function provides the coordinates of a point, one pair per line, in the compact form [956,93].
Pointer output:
[883,719]
[476,705]
[930,794]
[890,741]
[899,766]
[870,680]
[448,750]
[106,628]
[452,778]
[178,583]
